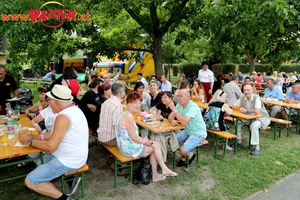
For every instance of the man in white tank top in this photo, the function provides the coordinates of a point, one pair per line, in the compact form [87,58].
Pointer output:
[68,144]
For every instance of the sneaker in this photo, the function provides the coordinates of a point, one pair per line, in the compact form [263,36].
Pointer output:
[255,152]
[23,164]
[74,185]
[238,145]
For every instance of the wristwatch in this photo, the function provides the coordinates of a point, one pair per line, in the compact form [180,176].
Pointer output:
[29,142]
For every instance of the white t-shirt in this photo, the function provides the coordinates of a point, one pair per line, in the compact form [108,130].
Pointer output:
[73,149]
[206,76]
[143,80]
[49,118]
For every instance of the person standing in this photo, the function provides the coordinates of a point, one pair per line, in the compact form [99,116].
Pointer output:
[7,85]
[165,85]
[206,77]
[67,142]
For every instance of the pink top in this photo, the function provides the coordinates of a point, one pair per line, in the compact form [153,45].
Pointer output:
[258,80]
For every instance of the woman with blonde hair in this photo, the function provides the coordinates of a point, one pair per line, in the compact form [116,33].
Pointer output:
[198,91]
[154,93]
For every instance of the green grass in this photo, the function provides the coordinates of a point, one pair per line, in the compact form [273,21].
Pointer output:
[234,176]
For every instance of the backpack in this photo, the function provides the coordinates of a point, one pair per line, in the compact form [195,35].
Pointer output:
[142,174]
[211,118]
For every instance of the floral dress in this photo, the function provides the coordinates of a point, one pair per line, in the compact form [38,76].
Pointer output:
[125,144]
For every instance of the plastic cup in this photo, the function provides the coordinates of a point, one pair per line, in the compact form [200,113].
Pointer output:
[3,138]
[238,108]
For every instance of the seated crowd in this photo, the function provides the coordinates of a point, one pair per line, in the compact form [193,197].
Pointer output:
[109,113]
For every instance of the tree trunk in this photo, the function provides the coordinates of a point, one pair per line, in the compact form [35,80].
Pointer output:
[157,52]
[251,60]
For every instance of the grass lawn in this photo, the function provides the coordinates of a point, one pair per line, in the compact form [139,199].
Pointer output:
[230,177]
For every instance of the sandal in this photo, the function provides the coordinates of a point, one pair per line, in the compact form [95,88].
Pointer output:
[171,173]
[159,177]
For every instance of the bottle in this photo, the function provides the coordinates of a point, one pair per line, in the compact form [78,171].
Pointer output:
[10,124]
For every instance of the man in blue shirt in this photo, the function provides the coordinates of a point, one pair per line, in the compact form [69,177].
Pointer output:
[273,92]
[165,85]
[292,96]
[187,114]
[241,77]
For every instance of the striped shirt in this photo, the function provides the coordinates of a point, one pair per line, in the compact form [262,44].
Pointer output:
[110,110]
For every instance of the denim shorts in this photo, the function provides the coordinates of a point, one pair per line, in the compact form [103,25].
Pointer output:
[48,171]
[191,141]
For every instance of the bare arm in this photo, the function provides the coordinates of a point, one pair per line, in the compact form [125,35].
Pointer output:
[61,125]
[92,107]
[16,93]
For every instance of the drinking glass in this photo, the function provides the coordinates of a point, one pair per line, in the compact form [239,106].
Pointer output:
[16,117]
[3,135]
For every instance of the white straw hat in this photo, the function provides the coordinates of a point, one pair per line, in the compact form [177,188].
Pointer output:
[60,93]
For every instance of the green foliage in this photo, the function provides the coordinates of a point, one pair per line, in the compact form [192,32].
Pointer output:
[289,68]
[228,67]
[166,70]
[175,69]
[191,69]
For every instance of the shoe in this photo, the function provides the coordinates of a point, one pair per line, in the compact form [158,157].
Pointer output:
[192,158]
[160,177]
[238,145]
[74,186]
[229,148]
[171,174]
[255,152]
[23,164]
[181,163]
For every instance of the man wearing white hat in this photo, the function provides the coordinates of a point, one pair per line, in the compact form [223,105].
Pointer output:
[68,144]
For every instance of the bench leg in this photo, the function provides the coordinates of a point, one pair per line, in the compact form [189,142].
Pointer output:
[174,160]
[217,146]
[275,127]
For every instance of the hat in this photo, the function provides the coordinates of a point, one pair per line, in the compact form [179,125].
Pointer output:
[60,93]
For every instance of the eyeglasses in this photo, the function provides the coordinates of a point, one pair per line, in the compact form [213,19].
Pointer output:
[105,77]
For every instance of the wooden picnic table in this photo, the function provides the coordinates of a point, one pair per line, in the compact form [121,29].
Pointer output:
[11,151]
[165,125]
[236,114]
[289,106]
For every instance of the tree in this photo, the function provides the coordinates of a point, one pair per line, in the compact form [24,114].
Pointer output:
[257,26]
[142,25]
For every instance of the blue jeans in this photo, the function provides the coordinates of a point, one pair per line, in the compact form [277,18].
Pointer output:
[52,169]
[191,141]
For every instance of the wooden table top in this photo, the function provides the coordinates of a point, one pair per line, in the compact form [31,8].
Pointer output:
[235,113]
[12,151]
[167,127]
[281,103]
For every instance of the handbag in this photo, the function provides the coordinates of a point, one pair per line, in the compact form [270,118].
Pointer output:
[142,174]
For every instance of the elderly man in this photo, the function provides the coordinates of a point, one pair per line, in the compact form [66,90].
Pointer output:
[142,79]
[232,90]
[207,79]
[68,144]
[188,114]
[106,79]
[241,77]
[165,85]
[251,104]
[110,110]
[273,92]
[292,96]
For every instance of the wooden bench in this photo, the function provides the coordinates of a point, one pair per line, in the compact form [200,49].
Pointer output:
[80,171]
[277,124]
[196,162]
[118,159]
[226,136]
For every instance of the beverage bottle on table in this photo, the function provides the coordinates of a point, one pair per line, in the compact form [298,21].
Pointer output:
[10,124]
